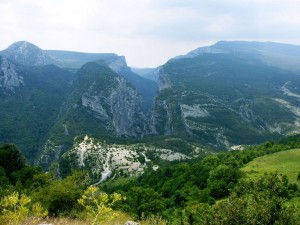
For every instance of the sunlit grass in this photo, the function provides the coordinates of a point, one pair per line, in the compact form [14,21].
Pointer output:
[285,162]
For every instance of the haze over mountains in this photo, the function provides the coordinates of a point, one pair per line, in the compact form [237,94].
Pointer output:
[227,94]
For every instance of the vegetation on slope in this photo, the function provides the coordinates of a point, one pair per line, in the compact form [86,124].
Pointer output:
[238,99]
[188,191]
[286,163]
[209,190]
[28,115]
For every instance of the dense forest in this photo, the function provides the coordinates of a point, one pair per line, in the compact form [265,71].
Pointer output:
[211,189]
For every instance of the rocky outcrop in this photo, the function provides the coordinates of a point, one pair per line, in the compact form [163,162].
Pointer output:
[51,153]
[193,111]
[103,159]
[118,64]
[164,81]
[10,80]
[131,223]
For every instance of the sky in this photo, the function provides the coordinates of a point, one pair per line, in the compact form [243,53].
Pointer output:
[146,32]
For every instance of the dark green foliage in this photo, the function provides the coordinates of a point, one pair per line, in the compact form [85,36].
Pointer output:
[176,143]
[25,175]
[258,208]
[60,197]
[222,179]
[207,190]
[237,89]
[187,189]
[260,202]
[11,159]
[145,201]
[28,114]
[14,169]
[4,181]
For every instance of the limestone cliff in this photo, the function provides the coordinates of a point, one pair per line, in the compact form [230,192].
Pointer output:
[100,103]
[10,80]
[117,107]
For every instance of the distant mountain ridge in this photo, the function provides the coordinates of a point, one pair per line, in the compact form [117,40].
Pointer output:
[23,84]
[230,93]
[227,94]
[285,56]
[28,54]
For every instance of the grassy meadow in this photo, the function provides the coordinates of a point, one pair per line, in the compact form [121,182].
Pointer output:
[285,162]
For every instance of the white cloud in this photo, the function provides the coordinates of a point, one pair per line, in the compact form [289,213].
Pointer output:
[147,32]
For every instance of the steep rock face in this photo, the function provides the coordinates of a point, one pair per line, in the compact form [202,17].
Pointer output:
[25,53]
[118,65]
[111,99]
[74,60]
[146,88]
[148,73]
[164,80]
[117,107]
[100,103]
[10,80]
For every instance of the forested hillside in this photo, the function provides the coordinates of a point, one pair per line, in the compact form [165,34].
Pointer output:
[207,190]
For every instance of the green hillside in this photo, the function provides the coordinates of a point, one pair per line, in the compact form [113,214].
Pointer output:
[285,162]
[225,99]
[207,190]
[28,114]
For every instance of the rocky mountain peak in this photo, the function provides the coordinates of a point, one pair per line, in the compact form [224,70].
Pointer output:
[26,53]
[10,80]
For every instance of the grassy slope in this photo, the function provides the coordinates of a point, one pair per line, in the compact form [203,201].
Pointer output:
[285,162]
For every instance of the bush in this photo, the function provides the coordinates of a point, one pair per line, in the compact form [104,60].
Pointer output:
[15,209]
[11,159]
[60,196]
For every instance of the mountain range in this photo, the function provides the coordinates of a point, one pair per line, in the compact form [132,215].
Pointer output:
[230,93]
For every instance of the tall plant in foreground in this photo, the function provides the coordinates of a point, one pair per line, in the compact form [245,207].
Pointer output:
[99,204]
[15,208]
